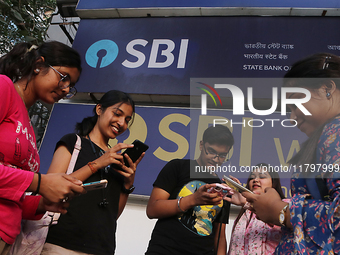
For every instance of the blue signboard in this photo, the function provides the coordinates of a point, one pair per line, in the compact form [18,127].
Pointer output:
[176,132]
[160,55]
[109,4]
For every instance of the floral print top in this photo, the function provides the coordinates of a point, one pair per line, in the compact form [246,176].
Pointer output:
[315,221]
[254,237]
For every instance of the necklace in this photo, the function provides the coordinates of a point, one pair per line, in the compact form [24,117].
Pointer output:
[104,203]
[21,93]
[101,150]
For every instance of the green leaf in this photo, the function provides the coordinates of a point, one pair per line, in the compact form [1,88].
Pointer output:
[30,38]
[2,20]
[17,15]
[23,32]
[4,4]
[23,20]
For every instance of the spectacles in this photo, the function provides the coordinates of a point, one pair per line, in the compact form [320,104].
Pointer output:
[64,83]
[213,153]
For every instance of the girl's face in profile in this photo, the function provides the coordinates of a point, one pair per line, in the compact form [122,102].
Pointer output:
[259,180]
[319,106]
[46,83]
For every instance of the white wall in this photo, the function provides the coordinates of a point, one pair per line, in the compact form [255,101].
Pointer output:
[134,228]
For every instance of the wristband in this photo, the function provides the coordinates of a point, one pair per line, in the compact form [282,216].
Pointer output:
[179,199]
[38,186]
[128,191]
[282,215]
[93,170]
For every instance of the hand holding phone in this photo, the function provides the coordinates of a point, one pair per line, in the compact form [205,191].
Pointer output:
[134,153]
[220,189]
[102,184]
[234,185]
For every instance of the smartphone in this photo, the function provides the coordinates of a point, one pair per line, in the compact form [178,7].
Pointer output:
[102,184]
[234,185]
[134,153]
[219,188]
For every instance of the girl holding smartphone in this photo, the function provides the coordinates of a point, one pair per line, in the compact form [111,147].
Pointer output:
[90,224]
[28,73]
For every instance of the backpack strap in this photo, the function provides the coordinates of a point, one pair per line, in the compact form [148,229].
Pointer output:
[321,183]
[77,148]
[317,187]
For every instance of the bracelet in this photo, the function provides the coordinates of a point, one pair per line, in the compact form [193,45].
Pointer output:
[38,186]
[179,199]
[93,170]
[128,191]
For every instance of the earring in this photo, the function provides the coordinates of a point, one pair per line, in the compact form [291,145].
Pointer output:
[328,94]
[37,70]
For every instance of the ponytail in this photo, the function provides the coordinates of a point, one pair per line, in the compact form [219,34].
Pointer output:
[85,127]
[19,62]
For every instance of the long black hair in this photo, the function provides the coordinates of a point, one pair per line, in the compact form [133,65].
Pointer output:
[110,98]
[24,58]
[325,67]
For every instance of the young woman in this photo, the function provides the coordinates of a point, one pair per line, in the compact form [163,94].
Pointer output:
[251,235]
[89,226]
[311,219]
[28,73]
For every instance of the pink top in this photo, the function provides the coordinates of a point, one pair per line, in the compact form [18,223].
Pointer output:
[256,238]
[18,149]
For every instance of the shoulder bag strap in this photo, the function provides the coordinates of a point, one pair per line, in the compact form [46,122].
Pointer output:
[77,148]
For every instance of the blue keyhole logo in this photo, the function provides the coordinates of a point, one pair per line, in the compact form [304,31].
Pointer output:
[101,53]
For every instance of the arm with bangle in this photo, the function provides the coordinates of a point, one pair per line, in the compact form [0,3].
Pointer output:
[53,188]
[60,162]
[62,157]
[36,192]
[129,178]
[160,206]
[127,189]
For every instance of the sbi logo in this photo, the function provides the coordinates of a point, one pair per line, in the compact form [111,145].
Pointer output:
[102,53]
